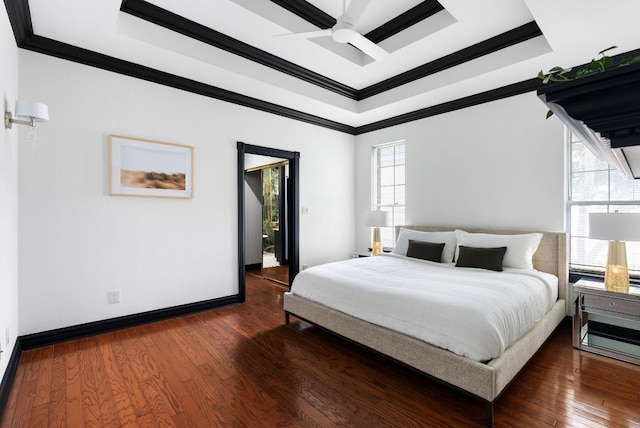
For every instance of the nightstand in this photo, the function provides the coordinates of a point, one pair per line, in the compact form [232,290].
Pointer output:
[605,322]
[359,254]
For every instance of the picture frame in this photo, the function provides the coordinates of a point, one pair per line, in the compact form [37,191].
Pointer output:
[149,168]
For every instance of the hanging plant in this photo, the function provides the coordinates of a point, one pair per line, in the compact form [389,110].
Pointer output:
[561,74]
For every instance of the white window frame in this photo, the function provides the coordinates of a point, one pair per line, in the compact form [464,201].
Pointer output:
[597,248]
[388,233]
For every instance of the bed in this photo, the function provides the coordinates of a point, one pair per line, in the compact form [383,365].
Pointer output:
[481,376]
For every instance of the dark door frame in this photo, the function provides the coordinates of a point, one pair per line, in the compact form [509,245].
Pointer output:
[293,204]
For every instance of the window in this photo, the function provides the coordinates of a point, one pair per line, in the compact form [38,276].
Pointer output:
[388,187]
[596,187]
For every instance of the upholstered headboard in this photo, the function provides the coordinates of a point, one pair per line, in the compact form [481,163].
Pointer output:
[550,257]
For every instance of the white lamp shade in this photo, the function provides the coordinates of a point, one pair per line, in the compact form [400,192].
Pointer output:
[377,219]
[615,226]
[25,110]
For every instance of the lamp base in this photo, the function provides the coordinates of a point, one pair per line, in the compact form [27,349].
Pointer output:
[616,277]
[376,245]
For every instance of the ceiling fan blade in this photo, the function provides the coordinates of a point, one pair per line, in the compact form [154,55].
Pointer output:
[356,10]
[307,34]
[368,47]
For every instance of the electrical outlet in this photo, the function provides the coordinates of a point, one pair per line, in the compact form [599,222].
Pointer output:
[114,296]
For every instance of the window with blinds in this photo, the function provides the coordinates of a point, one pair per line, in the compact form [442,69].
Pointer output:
[389,185]
[594,187]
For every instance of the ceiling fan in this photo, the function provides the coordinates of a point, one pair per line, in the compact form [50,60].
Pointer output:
[345,32]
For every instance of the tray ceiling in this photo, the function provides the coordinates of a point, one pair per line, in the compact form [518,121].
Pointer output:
[443,54]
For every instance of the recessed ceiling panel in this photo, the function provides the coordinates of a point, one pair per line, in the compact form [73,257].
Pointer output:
[436,59]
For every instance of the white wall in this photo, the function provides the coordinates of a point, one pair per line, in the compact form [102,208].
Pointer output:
[8,197]
[76,243]
[499,164]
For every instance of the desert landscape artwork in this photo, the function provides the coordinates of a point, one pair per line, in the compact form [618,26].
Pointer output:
[152,179]
[149,168]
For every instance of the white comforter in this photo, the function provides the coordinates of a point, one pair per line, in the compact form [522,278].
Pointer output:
[472,312]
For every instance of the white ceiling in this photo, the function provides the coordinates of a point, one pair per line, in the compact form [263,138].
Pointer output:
[573,32]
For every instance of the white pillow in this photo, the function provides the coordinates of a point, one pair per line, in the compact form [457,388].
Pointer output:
[449,239]
[520,248]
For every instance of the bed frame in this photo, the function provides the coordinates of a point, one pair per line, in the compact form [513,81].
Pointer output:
[485,381]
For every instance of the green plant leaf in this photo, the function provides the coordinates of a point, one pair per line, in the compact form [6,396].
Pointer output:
[558,74]
[559,71]
[584,72]
[629,61]
[593,66]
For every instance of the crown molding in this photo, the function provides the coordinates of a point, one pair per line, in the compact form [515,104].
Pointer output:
[509,38]
[405,20]
[20,19]
[83,56]
[308,12]
[461,103]
[171,21]
[321,19]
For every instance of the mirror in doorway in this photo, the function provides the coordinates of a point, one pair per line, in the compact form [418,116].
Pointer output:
[269,186]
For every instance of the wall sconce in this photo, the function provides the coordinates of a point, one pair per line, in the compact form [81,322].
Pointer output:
[27,113]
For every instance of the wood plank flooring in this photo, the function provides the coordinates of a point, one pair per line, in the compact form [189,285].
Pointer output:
[277,273]
[240,366]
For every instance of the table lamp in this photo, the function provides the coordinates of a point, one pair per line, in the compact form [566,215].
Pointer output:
[616,228]
[377,219]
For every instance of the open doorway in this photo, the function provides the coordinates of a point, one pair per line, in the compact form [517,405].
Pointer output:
[266,228]
[288,209]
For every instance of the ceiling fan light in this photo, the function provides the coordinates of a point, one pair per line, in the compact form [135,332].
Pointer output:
[343,32]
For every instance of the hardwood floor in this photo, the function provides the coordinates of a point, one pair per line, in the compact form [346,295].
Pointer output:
[279,274]
[240,366]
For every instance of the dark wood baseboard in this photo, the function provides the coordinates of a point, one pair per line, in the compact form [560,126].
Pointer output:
[296,375]
[50,337]
[9,376]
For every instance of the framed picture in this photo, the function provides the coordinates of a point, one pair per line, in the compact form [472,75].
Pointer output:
[149,168]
